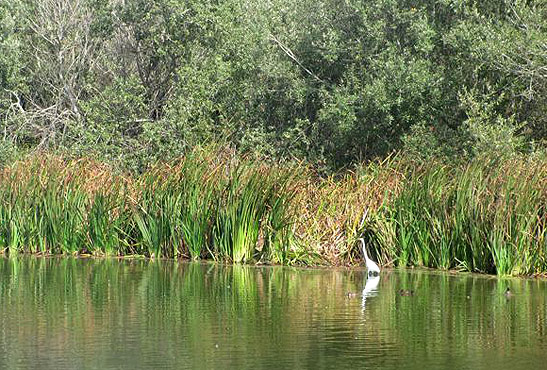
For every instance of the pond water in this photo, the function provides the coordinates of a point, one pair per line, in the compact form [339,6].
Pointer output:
[63,313]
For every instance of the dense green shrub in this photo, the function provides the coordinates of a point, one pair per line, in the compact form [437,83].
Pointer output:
[333,82]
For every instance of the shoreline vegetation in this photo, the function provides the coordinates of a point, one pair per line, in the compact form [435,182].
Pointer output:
[487,216]
[277,132]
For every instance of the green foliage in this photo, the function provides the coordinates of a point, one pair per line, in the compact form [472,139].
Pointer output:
[105,220]
[486,216]
[489,132]
[158,219]
[333,82]
[479,217]
[199,188]
[12,81]
[8,151]
[253,204]
[202,207]
[10,49]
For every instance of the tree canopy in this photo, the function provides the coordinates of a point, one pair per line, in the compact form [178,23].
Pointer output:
[329,81]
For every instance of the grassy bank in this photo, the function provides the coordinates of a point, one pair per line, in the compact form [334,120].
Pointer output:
[485,216]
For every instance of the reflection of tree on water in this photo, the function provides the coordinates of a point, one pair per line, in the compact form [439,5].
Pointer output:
[370,289]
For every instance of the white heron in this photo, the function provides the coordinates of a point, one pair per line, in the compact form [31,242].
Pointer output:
[372,267]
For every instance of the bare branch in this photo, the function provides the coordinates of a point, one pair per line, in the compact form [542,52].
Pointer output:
[291,55]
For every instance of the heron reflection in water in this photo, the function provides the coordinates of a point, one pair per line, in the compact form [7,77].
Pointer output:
[370,289]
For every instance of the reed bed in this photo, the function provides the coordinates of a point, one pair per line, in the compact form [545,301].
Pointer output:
[333,212]
[485,216]
[199,207]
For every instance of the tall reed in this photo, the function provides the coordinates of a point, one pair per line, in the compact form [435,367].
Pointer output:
[252,204]
[484,216]
[199,186]
[479,217]
[106,220]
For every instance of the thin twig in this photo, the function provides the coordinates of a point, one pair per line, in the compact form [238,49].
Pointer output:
[291,55]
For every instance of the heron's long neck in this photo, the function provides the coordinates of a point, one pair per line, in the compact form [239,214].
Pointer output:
[364,249]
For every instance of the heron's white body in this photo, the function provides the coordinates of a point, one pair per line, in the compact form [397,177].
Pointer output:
[372,267]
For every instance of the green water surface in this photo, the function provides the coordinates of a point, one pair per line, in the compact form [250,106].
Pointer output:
[64,313]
